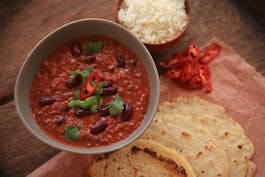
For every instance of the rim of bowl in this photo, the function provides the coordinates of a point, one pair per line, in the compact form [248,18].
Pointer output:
[89,150]
[166,45]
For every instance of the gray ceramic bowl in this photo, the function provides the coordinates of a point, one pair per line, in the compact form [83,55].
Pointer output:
[61,35]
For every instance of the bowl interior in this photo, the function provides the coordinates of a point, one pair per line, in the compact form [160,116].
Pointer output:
[69,32]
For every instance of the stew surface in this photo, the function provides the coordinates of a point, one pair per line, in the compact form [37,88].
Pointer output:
[90,92]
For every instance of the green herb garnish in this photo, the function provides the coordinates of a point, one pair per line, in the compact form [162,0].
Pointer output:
[99,89]
[72,133]
[116,105]
[93,103]
[85,73]
[76,94]
[95,107]
[94,46]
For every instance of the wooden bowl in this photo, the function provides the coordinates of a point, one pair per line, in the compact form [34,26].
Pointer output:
[163,46]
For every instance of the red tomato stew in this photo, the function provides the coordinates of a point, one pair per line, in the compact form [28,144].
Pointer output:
[90,92]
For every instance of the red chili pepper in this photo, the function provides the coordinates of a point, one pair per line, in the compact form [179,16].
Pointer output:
[89,85]
[190,69]
[168,63]
[209,53]
[189,77]
[172,62]
[173,73]
[193,51]
[205,80]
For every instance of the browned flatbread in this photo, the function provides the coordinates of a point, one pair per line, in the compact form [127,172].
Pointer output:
[142,158]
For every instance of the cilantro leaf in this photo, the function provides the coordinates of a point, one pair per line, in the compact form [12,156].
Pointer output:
[72,133]
[94,46]
[74,103]
[116,105]
[93,103]
[95,107]
[77,94]
[99,89]
[85,73]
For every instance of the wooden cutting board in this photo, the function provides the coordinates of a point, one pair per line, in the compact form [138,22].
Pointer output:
[237,87]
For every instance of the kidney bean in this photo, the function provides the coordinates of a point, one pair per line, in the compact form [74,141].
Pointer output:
[110,90]
[90,58]
[47,100]
[73,81]
[82,112]
[121,61]
[133,62]
[127,112]
[106,84]
[60,120]
[98,128]
[76,49]
[104,111]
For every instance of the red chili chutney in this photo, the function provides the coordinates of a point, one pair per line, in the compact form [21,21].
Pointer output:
[90,92]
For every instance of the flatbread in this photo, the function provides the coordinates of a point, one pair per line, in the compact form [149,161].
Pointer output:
[191,139]
[143,158]
[251,169]
[225,130]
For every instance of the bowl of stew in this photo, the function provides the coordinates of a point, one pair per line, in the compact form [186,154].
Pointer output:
[88,87]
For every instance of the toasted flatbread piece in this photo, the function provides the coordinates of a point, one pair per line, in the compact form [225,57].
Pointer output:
[225,130]
[251,169]
[143,158]
[191,139]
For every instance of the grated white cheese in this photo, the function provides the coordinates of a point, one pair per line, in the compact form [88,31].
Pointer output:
[154,21]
